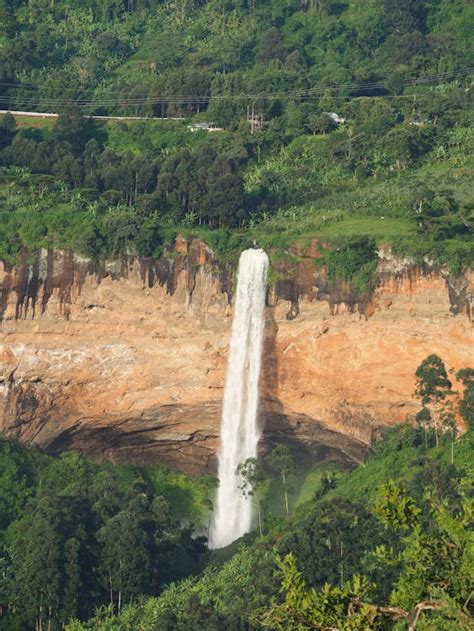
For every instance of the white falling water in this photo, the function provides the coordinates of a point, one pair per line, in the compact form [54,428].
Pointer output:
[239,428]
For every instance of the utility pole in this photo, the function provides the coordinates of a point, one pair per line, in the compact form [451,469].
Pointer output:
[256,120]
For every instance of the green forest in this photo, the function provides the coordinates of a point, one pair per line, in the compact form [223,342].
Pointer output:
[374,547]
[362,126]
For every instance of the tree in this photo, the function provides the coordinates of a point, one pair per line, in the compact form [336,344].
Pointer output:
[326,609]
[431,557]
[91,158]
[7,129]
[395,82]
[436,212]
[106,501]
[402,145]
[407,47]
[73,580]
[433,388]
[326,102]
[253,478]
[327,483]
[394,510]
[225,200]
[319,123]
[166,534]
[331,542]
[438,480]
[122,225]
[15,482]
[71,126]
[403,16]
[126,555]
[431,576]
[466,405]
[283,463]
[423,420]
[270,46]
[295,62]
[8,122]
[37,563]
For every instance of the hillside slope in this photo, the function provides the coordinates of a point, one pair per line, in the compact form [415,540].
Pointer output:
[341,120]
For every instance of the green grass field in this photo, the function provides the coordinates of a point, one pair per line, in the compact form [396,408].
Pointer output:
[34,122]
[380,228]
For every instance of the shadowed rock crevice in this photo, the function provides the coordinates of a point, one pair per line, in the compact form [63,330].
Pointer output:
[269,378]
[37,278]
[164,435]
[311,441]
[460,294]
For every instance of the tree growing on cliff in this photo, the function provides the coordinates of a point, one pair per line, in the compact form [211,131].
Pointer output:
[283,463]
[466,405]
[433,387]
[252,481]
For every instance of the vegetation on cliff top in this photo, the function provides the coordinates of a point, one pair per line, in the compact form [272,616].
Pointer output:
[397,170]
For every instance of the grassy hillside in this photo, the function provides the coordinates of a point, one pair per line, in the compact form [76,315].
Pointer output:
[112,54]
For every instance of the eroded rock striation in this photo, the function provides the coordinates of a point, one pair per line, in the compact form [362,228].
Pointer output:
[126,360]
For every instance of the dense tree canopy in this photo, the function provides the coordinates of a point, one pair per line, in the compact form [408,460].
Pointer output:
[74,536]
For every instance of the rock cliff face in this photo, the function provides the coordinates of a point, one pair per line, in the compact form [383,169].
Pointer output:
[126,361]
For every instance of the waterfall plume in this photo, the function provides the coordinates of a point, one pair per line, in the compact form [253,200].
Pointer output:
[240,433]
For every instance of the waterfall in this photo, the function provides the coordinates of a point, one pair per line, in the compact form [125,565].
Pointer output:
[239,429]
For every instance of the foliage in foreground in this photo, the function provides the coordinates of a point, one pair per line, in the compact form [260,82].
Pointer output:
[404,551]
[74,535]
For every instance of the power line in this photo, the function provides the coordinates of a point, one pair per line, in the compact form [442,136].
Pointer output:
[303,93]
[412,96]
[327,86]
[151,103]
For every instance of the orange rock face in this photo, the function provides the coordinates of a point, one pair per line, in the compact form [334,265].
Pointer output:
[127,361]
